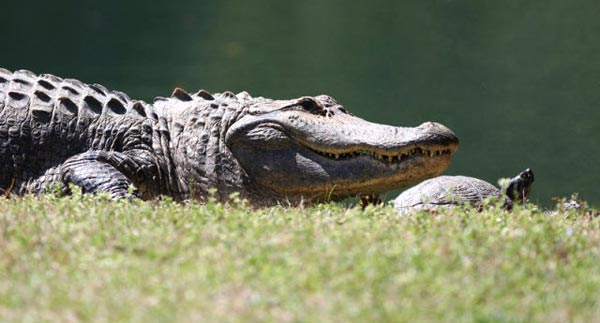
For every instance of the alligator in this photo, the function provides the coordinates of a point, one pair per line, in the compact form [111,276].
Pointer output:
[57,132]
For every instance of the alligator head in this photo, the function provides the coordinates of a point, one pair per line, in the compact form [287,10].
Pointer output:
[313,149]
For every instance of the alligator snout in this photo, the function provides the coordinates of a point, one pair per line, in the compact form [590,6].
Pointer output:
[440,133]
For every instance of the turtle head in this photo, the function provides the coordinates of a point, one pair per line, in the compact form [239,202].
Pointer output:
[519,187]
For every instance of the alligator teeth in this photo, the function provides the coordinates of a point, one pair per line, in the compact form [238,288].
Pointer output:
[387,158]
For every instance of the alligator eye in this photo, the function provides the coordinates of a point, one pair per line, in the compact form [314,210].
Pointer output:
[311,105]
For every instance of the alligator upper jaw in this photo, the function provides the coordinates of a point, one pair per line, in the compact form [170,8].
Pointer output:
[393,155]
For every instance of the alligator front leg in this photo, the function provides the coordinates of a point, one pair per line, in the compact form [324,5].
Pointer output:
[116,172]
[94,171]
[99,171]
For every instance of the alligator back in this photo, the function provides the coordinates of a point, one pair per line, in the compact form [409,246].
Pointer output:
[45,119]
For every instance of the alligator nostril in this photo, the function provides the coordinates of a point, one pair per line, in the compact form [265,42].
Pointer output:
[427,124]
[440,130]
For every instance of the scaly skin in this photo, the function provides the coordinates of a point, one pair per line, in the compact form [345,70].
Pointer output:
[57,131]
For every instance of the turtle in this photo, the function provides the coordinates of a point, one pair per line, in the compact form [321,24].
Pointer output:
[444,191]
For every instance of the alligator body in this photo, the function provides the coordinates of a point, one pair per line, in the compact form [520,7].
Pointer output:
[56,131]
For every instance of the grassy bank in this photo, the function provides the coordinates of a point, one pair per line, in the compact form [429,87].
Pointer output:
[86,259]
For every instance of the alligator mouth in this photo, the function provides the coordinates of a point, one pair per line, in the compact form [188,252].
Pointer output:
[391,157]
[371,170]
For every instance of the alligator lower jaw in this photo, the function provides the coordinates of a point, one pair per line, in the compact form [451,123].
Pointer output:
[383,170]
[362,172]
[378,178]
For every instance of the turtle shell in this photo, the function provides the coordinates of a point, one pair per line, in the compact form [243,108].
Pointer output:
[444,191]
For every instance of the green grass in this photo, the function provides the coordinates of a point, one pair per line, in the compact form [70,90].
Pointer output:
[88,259]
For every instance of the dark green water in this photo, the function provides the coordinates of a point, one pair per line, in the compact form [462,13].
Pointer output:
[518,81]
